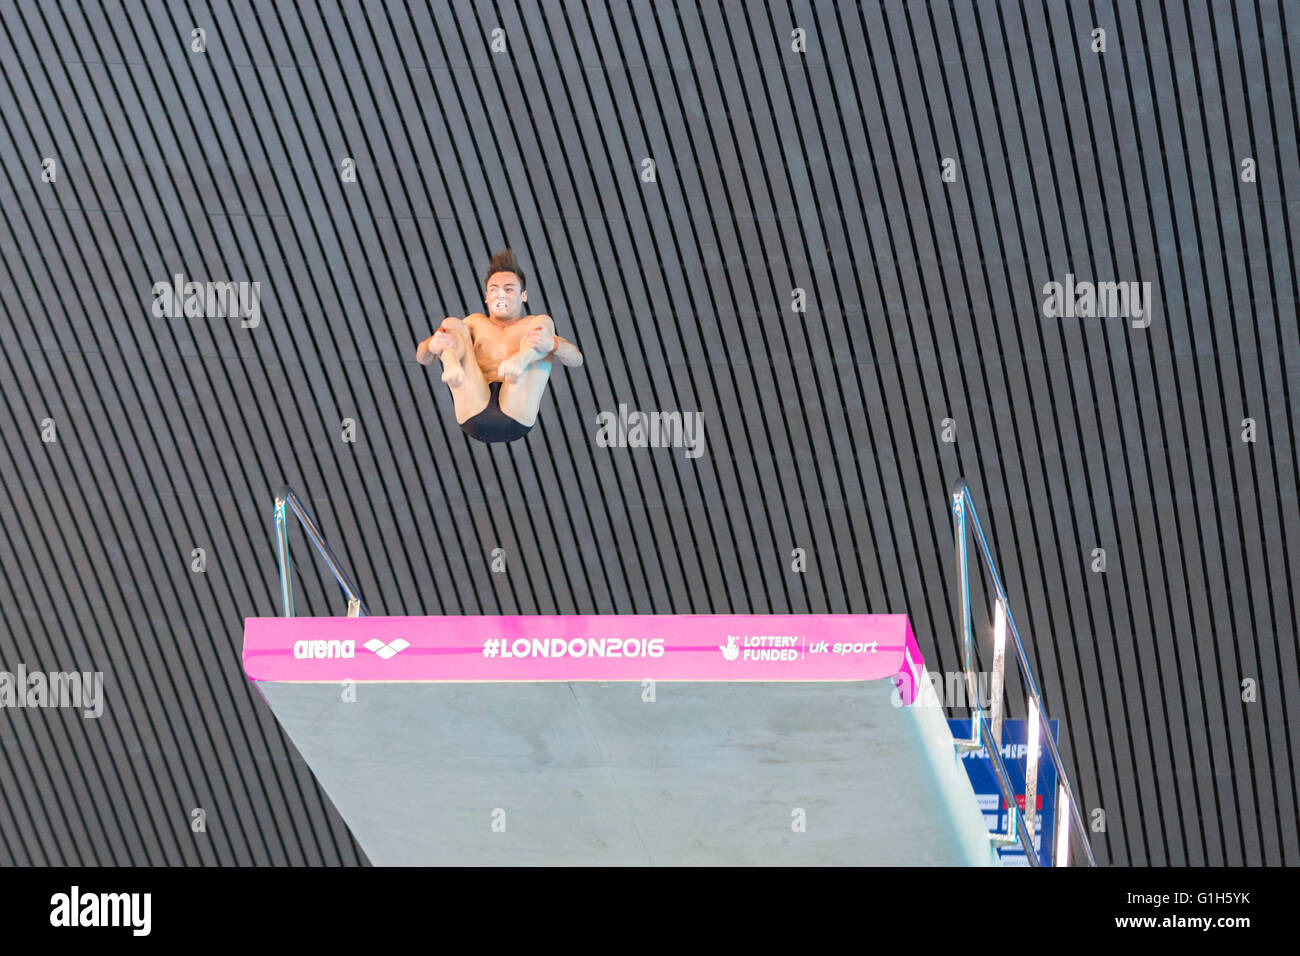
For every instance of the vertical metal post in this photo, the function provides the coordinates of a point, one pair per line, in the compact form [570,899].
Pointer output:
[999,666]
[959,539]
[282,557]
[1062,855]
[1031,770]
[968,640]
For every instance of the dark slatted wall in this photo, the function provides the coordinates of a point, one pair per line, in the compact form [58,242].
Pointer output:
[1173,671]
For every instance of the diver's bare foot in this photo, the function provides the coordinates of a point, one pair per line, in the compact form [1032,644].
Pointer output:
[452,373]
[513,367]
[536,344]
[445,346]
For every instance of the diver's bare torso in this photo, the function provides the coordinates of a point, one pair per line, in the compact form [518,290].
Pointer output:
[494,342]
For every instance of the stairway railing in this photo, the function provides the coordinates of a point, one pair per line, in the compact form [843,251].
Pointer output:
[988,737]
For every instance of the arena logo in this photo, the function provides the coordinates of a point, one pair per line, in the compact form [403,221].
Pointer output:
[208,300]
[391,649]
[636,429]
[1098,300]
[324,650]
[82,690]
[102,909]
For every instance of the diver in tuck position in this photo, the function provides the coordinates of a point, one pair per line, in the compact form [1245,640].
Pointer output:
[497,365]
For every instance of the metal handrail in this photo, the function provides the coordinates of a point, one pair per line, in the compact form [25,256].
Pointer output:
[286,499]
[962,505]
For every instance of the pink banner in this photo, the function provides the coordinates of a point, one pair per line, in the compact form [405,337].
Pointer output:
[611,647]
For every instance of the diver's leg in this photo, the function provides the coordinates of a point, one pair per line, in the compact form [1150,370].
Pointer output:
[455,346]
[537,342]
[522,398]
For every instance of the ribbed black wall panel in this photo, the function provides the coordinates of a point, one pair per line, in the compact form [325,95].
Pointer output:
[775,170]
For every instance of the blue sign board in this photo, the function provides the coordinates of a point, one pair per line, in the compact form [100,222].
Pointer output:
[1015,751]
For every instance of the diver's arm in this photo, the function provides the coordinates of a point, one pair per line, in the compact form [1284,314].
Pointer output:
[566,353]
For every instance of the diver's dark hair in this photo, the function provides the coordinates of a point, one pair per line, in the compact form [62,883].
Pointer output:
[505,261]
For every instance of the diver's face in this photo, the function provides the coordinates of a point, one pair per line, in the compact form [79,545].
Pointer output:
[505,297]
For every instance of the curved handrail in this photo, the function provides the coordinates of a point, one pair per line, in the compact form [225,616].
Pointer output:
[286,498]
[963,505]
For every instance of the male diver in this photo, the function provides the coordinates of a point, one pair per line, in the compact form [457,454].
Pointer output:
[497,365]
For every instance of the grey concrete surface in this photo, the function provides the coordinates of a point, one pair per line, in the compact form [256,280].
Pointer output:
[588,774]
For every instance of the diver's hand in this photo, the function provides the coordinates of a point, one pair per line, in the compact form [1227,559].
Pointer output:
[539,339]
[424,353]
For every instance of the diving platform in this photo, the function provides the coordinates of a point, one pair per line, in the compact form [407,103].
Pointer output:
[784,740]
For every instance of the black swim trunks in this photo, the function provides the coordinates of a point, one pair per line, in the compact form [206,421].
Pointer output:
[492,424]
